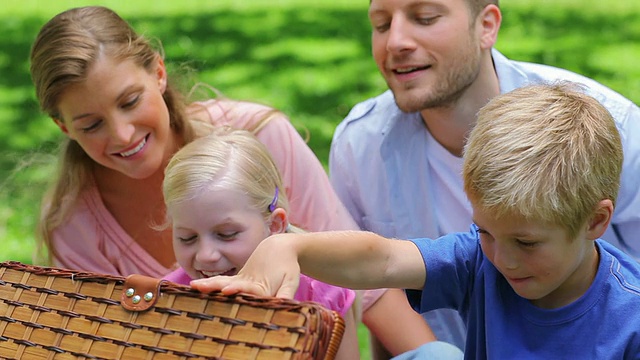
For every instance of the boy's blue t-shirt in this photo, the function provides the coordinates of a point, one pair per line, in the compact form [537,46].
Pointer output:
[603,324]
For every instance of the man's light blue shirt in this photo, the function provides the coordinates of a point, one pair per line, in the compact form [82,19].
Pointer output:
[397,181]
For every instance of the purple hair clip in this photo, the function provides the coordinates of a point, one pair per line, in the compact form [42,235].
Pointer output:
[272,206]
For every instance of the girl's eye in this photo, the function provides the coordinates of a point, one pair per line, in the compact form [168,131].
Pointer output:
[228,236]
[188,239]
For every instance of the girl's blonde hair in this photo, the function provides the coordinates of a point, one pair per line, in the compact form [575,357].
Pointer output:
[546,152]
[231,159]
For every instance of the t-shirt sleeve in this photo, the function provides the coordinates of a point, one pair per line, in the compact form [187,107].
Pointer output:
[332,297]
[450,262]
[625,224]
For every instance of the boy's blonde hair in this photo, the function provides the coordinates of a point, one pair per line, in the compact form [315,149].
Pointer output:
[232,159]
[546,152]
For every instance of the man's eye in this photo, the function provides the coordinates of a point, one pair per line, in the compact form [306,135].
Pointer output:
[427,20]
[381,27]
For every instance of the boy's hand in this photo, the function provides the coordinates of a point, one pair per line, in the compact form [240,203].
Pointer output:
[272,270]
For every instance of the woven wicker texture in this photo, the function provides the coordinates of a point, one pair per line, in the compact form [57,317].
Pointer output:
[50,313]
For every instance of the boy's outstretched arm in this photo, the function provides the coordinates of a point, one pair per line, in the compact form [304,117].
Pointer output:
[352,259]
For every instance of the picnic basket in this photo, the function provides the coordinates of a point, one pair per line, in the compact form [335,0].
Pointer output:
[52,313]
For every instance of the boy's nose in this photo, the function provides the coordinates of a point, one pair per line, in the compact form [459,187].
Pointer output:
[503,259]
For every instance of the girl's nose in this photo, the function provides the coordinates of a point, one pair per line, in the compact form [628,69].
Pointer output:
[208,252]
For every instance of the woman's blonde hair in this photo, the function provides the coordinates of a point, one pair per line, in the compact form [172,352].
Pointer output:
[231,159]
[547,152]
[63,52]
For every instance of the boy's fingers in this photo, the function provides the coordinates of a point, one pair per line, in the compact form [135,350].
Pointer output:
[230,285]
[211,284]
[286,292]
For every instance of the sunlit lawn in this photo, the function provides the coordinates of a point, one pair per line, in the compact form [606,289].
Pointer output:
[311,59]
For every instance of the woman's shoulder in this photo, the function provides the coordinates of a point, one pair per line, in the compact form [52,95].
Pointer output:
[235,113]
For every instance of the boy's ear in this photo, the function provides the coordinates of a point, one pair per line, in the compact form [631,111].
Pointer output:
[279,221]
[600,219]
[62,126]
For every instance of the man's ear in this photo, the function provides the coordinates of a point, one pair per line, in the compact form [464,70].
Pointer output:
[62,126]
[600,219]
[489,21]
[279,221]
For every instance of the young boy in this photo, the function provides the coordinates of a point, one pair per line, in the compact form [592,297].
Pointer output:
[531,278]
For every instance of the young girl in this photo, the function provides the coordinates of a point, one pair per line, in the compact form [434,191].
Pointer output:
[223,197]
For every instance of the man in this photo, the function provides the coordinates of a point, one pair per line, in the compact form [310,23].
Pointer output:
[396,159]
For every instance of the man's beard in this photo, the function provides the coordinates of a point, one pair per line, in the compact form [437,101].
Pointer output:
[444,92]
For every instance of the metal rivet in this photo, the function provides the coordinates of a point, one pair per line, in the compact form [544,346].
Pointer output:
[136,299]
[130,292]
[148,296]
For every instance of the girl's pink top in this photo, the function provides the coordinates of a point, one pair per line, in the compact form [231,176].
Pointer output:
[332,297]
[92,240]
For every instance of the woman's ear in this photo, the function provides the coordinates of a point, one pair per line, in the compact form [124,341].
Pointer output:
[279,221]
[600,219]
[161,73]
[62,126]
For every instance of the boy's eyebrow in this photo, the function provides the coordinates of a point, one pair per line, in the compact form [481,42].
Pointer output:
[518,234]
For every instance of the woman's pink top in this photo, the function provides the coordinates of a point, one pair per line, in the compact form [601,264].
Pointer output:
[332,297]
[92,240]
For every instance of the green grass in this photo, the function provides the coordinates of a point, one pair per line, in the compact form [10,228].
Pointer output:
[310,59]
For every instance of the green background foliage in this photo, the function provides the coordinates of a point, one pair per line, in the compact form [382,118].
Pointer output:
[311,59]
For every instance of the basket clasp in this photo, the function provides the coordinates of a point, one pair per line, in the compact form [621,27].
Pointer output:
[139,292]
